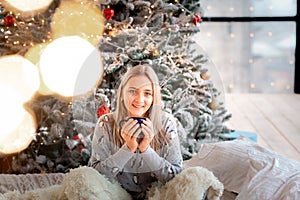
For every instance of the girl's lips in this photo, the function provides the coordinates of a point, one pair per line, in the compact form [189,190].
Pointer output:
[138,106]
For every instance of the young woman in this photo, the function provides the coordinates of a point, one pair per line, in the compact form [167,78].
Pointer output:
[137,144]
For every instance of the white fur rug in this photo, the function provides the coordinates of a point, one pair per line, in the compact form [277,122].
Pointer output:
[85,183]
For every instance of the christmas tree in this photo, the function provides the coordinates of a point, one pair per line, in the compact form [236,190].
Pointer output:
[135,32]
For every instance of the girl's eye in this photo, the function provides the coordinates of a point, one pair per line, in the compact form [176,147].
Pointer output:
[148,94]
[132,91]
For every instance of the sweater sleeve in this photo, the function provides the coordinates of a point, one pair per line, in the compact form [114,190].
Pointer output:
[166,163]
[103,157]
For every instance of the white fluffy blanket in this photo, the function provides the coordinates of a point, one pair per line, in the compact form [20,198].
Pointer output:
[85,183]
[193,183]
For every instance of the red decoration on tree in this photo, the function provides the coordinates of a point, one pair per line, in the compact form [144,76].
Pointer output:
[102,111]
[197,19]
[80,148]
[8,20]
[76,137]
[108,13]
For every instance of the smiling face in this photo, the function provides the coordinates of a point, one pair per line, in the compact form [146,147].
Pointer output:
[138,96]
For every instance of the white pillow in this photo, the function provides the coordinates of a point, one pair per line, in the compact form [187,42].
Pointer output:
[26,182]
[271,176]
[50,193]
[228,161]
[249,169]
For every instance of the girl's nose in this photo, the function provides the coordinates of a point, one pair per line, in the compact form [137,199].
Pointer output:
[140,97]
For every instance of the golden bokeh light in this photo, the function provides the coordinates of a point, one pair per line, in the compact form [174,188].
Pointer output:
[33,54]
[11,107]
[26,8]
[71,66]
[19,74]
[83,19]
[19,81]
[20,134]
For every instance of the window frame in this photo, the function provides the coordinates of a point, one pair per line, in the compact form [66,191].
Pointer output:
[270,19]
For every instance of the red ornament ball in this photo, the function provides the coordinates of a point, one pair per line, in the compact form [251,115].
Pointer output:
[102,111]
[196,19]
[108,13]
[76,137]
[8,20]
[80,148]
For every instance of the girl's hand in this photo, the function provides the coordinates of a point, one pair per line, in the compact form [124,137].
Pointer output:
[129,132]
[147,130]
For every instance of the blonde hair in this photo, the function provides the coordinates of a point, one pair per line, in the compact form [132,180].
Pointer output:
[154,112]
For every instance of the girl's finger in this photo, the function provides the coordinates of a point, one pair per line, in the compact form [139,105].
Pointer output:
[146,130]
[130,126]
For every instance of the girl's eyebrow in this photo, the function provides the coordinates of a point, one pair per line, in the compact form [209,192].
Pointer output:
[131,87]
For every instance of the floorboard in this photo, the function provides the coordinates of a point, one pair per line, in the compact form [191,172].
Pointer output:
[273,117]
[239,120]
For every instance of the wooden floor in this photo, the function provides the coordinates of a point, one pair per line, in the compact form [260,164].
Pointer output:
[275,118]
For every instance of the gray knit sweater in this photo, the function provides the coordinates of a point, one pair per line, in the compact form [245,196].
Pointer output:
[135,171]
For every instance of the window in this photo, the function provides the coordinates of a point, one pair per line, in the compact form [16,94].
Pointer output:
[251,43]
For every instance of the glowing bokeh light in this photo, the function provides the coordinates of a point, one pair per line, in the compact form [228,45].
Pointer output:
[71,66]
[83,19]
[19,74]
[33,54]
[11,107]
[26,8]
[20,136]
[19,80]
